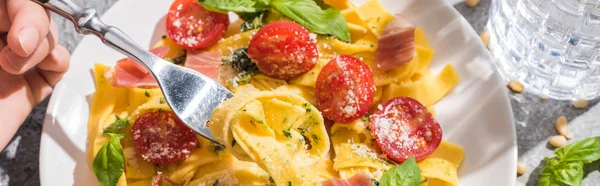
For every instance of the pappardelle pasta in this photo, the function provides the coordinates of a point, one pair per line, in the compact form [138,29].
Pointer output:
[343,96]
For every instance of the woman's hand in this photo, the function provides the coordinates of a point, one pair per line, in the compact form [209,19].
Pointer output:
[31,62]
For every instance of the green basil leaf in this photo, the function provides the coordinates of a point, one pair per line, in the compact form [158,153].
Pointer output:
[569,173]
[586,151]
[116,127]
[308,14]
[407,174]
[561,173]
[237,6]
[109,163]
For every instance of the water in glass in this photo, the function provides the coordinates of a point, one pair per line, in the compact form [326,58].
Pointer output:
[551,46]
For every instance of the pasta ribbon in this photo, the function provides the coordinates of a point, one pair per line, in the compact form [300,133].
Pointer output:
[439,172]
[355,151]
[428,90]
[273,129]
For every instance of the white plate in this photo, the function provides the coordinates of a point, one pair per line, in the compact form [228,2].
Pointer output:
[476,115]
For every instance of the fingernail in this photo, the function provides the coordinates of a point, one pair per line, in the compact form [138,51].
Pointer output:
[28,38]
[10,56]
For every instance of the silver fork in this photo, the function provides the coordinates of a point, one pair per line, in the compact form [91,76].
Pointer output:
[191,95]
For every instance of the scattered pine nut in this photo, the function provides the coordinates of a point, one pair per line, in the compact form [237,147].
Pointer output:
[472,3]
[580,104]
[569,135]
[521,168]
[544,97]
[558,141]
[485,37]
[561,126]
[515,86]
[519,184]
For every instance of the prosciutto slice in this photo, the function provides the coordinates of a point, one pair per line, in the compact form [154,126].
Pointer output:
[205,62]
[396,44]
[359,179]
[129,73]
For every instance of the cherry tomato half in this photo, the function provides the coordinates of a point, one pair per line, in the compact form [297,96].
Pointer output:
[403,128]
[193,27]
[160,137]
[344,89]
[283,50]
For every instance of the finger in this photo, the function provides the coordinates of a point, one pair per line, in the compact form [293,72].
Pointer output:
[15,64]
[38,85]
[52,35]
[4,20]
[57,61]
[2,44]
[30,24]
[55,65]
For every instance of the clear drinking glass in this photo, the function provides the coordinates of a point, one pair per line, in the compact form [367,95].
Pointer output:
[551,46]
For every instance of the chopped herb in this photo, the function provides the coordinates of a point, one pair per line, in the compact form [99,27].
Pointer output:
[162,101]
[241,62]
[243,78]
[308,110]
[365,118]
[271,181]
[179,59]
[374,182]
[334,133]
[147,94]
[289,183]
[244,110]
[160,110]
[312,73]
[315,138]
[305,104]
[285,120]
[287,133]
[164,37]
[116,126]
[378,18]
[302,131]
[372,45]
[252,21]
[217,148]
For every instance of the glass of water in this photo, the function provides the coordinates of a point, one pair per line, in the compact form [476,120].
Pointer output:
[551,46]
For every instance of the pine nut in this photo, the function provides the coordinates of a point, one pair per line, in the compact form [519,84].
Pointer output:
[521,168]
[561,127]
[472,3]
[580,104]
[558,141]
[515,86]
[485,37]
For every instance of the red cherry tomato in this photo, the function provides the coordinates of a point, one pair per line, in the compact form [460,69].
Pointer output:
[283,50]
[193,27]
[160,137]
[344,89]
[403,128]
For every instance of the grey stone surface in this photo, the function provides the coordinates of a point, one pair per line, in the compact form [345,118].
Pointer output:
[534,117]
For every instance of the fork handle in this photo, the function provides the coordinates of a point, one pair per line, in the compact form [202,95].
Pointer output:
[87,21]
